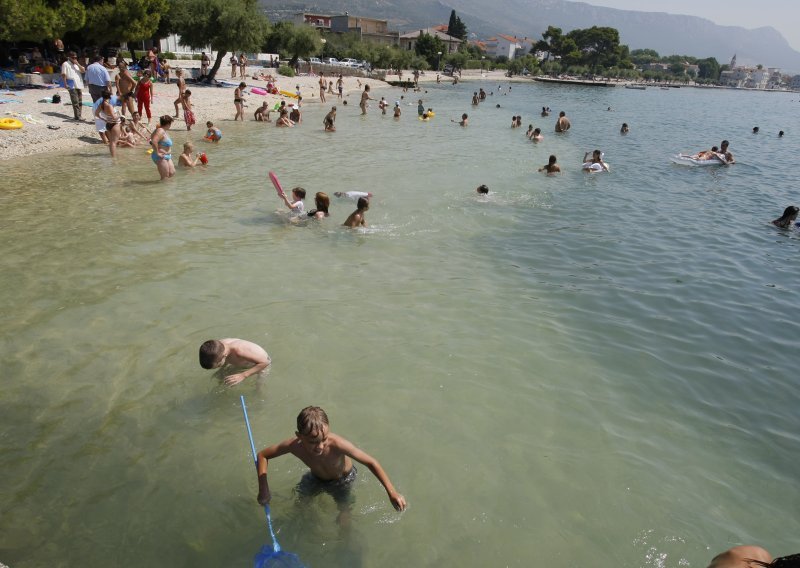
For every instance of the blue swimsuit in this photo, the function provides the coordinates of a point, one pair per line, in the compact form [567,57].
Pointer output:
[165,142]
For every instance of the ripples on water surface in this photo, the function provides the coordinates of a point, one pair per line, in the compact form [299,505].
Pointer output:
[573,371]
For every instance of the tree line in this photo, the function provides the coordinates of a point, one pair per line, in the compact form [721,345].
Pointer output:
[228,25]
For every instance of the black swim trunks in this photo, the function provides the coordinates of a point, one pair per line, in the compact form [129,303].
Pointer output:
[339,489]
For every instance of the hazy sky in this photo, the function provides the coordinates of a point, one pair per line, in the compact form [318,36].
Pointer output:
[783,15]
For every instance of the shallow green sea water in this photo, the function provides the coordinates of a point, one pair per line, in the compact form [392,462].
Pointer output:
[574,371]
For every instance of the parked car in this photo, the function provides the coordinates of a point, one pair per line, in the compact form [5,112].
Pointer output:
[330,61]
[315,61]
[350,62]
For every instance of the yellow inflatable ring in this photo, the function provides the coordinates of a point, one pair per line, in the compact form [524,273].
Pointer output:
[10,124]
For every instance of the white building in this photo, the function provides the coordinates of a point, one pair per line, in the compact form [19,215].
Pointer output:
[508,46]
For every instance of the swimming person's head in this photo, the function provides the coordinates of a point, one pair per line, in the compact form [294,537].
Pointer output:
[482,189]
[789,215]
[537,131]
[299,193]
[363,204]
[755,130]
[322,201]
[723,146]
[188,147]
[212,354]
[780,134]
[552,160]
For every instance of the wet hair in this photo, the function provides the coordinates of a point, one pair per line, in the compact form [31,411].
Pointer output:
[363,203]
[755,130]
[714,149]
[552,160]
[210,353]
[464,116]
[792,561]
[322,201]
[165,120]
[789,214]
[780,133]
[300,192]
[562,113]
[483,188]
[537,130]
[724,144]
[311,420]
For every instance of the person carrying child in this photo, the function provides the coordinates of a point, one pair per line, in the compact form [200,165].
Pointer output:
[215,353]
[330,459]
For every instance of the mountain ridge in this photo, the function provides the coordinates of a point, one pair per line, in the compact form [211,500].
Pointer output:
[668,34]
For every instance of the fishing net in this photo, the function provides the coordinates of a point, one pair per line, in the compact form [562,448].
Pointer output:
[268,557]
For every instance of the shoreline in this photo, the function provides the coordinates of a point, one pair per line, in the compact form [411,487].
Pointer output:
[50,127]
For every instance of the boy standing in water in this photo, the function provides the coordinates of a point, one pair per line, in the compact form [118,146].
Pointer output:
[330,459]
[215,353]
[356,218]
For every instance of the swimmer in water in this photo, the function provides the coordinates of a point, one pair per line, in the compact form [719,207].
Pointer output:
[463,121]
[789,215]
[356,218]
[482,190]
[552,167]
[536,135]
[597,158]
[624,129]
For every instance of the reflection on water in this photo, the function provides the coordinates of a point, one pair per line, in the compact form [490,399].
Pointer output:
[583,369]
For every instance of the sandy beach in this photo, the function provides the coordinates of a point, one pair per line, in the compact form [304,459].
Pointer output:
[49,127]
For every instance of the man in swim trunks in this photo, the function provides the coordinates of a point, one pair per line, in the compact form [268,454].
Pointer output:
[329,120]
[562,124]
[330,459]
[726,157]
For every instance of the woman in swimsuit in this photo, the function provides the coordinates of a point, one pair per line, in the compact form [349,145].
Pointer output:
[238,101]
[322,202]
[108,113]
[162,148]
[552,167]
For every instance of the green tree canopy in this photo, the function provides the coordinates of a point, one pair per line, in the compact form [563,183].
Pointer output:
[456,27]
[124,20]
[224,25]
[429,47]
[39,20]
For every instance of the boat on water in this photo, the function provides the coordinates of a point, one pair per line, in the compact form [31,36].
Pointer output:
[637,87]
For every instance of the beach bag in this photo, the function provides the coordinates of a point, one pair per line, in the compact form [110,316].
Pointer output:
[56,99]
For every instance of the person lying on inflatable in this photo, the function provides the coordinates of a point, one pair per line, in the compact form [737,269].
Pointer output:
[595,164]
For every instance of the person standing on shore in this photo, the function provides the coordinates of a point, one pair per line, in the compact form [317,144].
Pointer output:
[144,93]
[97,78]
[562,124]
[340,85]
[71,72]
[322,87]
[125,85]
[242,65]
[234,64]
[181,89]
[205,63]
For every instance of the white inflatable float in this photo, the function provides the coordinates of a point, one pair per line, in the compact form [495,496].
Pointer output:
[594,167]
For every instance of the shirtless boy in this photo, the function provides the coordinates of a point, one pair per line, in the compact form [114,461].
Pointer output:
[356,218]
[181,89]
[215,353]
[328,456]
